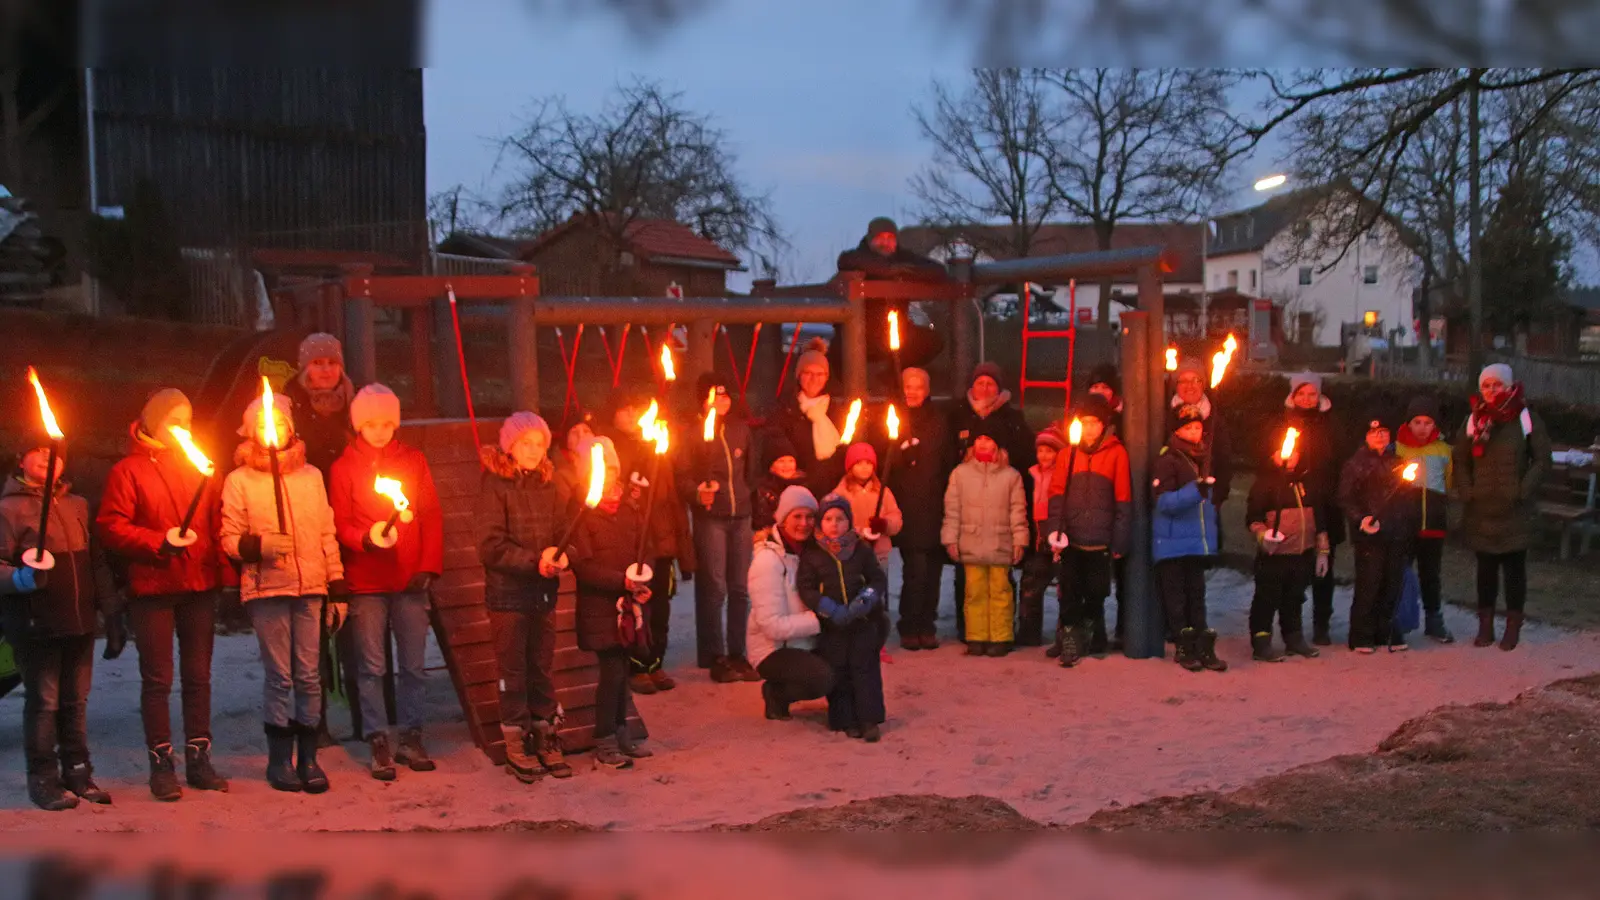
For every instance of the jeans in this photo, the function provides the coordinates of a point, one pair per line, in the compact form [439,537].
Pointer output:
[156,621]
[1182,583]
[989,603]
[1281,582]
[611,693]
[722,586]
[371,617]
[1515,565]
[288,631]
[1430,565]
[796,674]
[1380,572]
[922,571]
[658,616]
[56,674]
[525,645]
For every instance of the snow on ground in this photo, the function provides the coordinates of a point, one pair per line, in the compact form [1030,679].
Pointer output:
[1056,744]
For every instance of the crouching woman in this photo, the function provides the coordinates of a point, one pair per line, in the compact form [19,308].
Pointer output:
[782,633]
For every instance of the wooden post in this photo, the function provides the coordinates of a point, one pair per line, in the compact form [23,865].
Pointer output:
[701,357]
[855,336]
[447,369]
[424,403]
[360,340]
[1142,604]
[963,343]
[524,339]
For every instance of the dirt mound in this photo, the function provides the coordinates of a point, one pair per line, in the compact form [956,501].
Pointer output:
[903,813]
[1531,763]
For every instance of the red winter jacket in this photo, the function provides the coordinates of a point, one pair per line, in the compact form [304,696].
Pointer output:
[147,492]
[356,506]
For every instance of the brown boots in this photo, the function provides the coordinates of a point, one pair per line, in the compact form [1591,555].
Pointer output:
[1509,640]
[1485,628]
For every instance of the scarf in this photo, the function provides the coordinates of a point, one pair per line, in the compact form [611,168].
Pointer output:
[1204,404]
[984,407]
[1485,416]
[330,402]
[1198,454]
[1407,438]
[824,434]
[985,456]
[256,456]
[841,546]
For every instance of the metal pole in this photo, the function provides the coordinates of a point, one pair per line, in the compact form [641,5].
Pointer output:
[1205,294]
[1474,232]
[1141,604]
[855,341]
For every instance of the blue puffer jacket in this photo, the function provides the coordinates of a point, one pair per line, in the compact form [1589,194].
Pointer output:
[1185,522]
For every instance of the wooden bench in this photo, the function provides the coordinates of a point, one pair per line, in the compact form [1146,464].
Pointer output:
[1567,497]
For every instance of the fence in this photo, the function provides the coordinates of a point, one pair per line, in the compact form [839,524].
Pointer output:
[1542,379]
[221,290]
[451,264]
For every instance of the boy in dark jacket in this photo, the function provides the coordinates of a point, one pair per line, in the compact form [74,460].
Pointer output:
[611,614]
[780,471]
[519,513]
[1091,507]
[51,622]
[1184,533]
[840,580]
[1284,512]
[715,483]
[388,575]
[1382,504]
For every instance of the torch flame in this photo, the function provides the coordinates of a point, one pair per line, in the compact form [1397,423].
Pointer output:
[1288,444]
[647,422]
[49,417]
[269,422]
[1410,473]
[1172,359]
[198,459]
[667,371]
[1220,360]
[1075,432]
[849,432]
[660,437]
[710,433]
[894,423]
[597,474]
[390,488]
[894,330]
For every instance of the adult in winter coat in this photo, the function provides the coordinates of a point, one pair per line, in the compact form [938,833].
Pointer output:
[670,540]
[1386,509]
[172,589]
[51,626]
[1419,440]
[1190,391]
[1284,513]
[810,422]
[714,482]
[1184,535]
[840,580]
[879,256]
[1309,411]
[518,515]
[920,473]
[291,583]
[388,576]
[611,621]
[782,634]
[1106,382]
[1500,459]
[987,409]
[985,530]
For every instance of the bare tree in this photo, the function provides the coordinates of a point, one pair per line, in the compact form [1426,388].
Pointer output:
[991,160]
[1135,144]
[458,209]
[643,155]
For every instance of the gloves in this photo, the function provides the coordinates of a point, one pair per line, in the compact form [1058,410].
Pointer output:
[839,613]
[870,597]
[878,524]
[116,635]
[26,580]
[1370,524]
[275,547]
[953,551]
[1322,565]
[420,583]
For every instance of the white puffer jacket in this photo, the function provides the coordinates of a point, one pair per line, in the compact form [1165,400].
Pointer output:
[249,508]
[778,618]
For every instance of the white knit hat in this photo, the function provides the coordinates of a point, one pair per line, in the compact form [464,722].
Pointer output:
[793,497]
[1497,370]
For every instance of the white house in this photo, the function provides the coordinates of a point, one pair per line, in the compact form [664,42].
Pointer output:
[1280,251]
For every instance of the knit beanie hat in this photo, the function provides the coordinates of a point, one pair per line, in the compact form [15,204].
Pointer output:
[374,403]
[1095,406]
[1050,437]
[518,424]
[320,346]
[881,225]
[1377,417]
[775,446]
[1497,370]
[793,497]
[1185,415]
[835,501]
[1299,380]
[706,383]
[860,450]
[815,354]
[252,417]
[989,369]
[1106,374]
[156,409]
[1190,364]
[1423,405]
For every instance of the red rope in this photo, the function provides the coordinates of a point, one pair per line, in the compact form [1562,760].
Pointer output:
[622,347]
[570,364]
[793,344]
[461,356]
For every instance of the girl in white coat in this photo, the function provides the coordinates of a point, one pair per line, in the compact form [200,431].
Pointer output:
[781,636]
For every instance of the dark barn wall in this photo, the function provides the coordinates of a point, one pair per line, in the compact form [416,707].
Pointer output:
[301,157]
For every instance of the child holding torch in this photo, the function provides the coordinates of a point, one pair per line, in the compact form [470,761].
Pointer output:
[1184,534]
[1379,494]
[159,516]
[873,508]
[1284,512]
[1092,504]
[517,524]
[1419,440]
[391,532]
[276,522]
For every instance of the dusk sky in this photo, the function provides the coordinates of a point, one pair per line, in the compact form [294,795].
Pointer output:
[815,98]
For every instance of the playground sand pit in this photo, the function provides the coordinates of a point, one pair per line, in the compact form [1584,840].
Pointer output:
[1049,746]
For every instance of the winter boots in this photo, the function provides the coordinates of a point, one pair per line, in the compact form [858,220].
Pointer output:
[1069,644]
[1508,641]
[312,779]
[544,745]
[1187,653]
[520,760]
[608,755]
[197,769]
[280,758]
[381,764]
[631,748]
[871,734]
[79,779]
[47,793]
[776,708]
[1261,649]
[1433,626]
[163,777]
[412,753]
[1486,628]
[1206,650]
[1294,643]
[641,683]
[1321,634]
[1099,643]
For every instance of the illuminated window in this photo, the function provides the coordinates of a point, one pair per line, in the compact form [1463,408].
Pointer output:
[1370,318]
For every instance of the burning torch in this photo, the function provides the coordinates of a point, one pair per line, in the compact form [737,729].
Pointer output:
[40,558]
[850,420]
[1058,537]
[182,536]
[270,436]
[892,423]
[383,534]
[1285,453]
[1221,359]
[556,555]
[1408,478]
[652,429]
[894,342]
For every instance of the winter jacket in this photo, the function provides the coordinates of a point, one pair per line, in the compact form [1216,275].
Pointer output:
[725,460]
[1437,478]
[827,583]
[920,473]
[1499,489]
[1185,520]
[669,523]
[325,434]
[918,344]
[821,474]
[985,512]
[1320,456]
[764,501]
[147,492]
[78,587]
[864,505]
[419,546]
[778,617]
[250,511]
[1099,511]
[1219,446]
[1370,485]
[1285,502]
[517,515]
[603,547]
[1009,429]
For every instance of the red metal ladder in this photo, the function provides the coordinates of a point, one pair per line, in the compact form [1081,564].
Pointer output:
[1029,333]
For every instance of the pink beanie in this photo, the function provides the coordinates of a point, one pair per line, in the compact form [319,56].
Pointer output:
[320,346]
[519,423]
[374,403]
[860,450]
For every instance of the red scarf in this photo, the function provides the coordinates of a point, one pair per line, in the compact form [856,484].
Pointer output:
[1485,416]
[1408,438]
